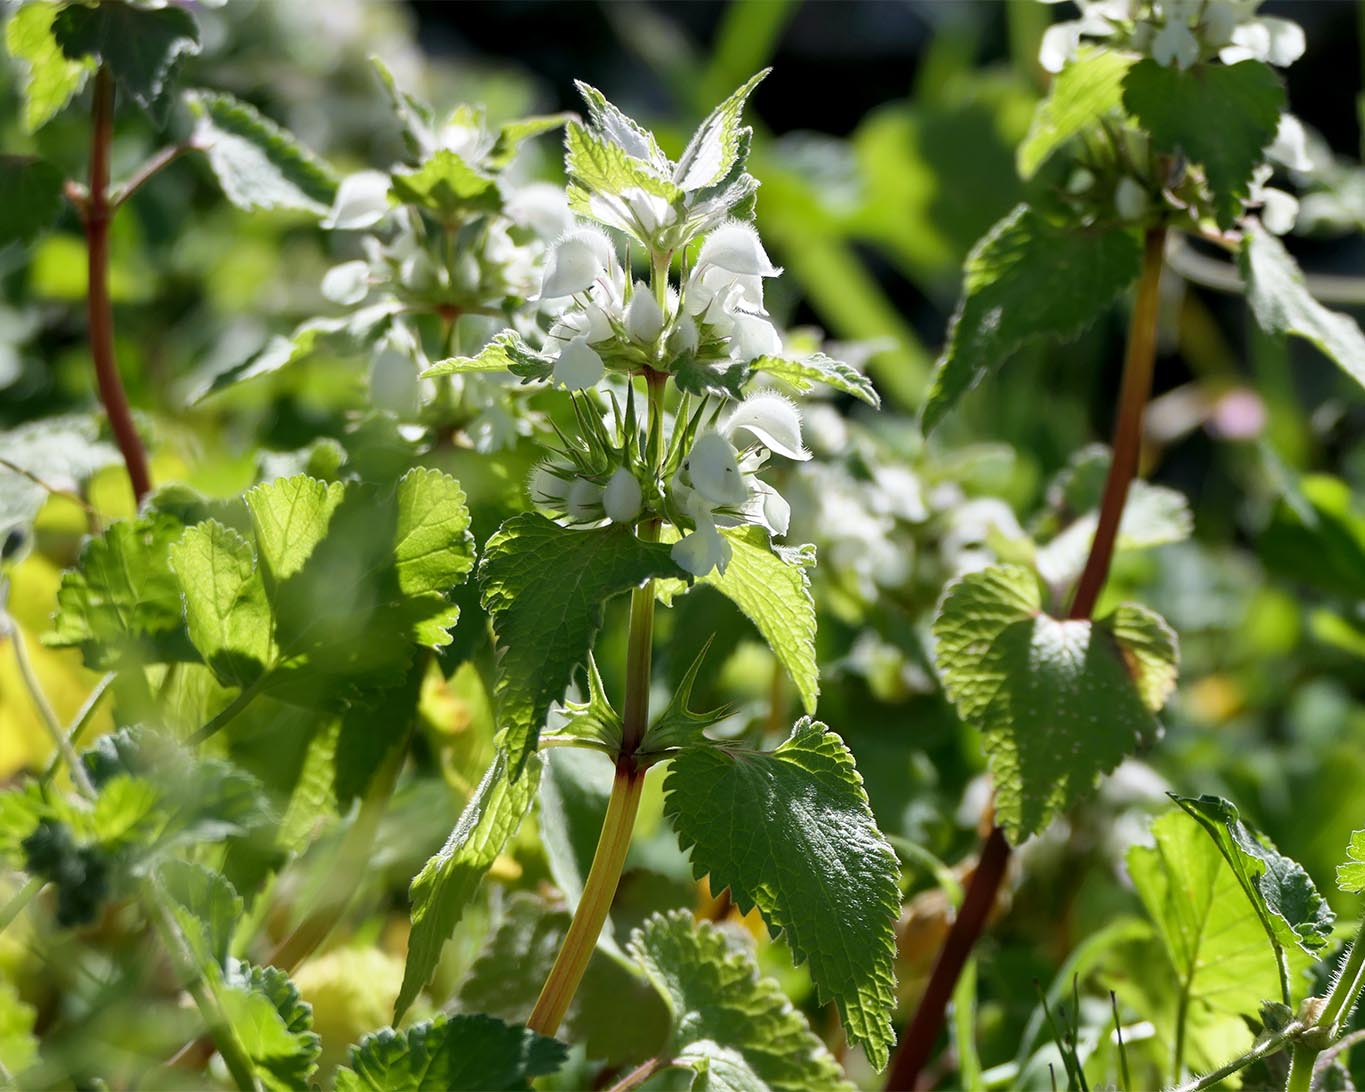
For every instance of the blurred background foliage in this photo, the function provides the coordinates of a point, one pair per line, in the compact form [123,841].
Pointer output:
[885,145]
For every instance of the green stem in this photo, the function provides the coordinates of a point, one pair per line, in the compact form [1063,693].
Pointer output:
[47,715]
[19,900]
[1301,1067]
[1264,1049]
[1347,986]
[229,711]
[80,724]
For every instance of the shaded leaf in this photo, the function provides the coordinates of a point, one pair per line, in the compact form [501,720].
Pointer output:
[30,198]
[1087,89]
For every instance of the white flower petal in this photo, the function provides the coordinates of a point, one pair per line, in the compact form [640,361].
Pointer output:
[1175,44]
[735,246]
[644,319]
[1059,45]
[578,366]
[1279,211]
[754,337]
[1130,199]
[713,466]
[361,201]
[575,263]
[1278,41]
[773,420]
[347,283]
[623,497]
[702,550]
[584,500]
[1290,146]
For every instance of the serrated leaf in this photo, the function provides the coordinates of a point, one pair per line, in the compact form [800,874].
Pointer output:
[620,129]
[717,146]
[258,164]
[274,1026]
[120,605]
[507,352]
[60,451]
[447,882]
[616,1014]
[1059,703]
[141,47]
[1027,279]
[724,379]
[718,1000]
[30,198]
[819,368]
[1282,304]
[603,167]
[545,587]
[771,586]
[1209,932]
[457,1054]
[1286,902]
[18,1044]
[206,907]
[1175,107]
[1087,89]
[50,77]
[448,187]
[1351,875]
[513,134]
[678,726]
[790,831]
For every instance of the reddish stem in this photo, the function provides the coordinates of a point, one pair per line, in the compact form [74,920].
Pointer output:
[917,1044]
[98,214]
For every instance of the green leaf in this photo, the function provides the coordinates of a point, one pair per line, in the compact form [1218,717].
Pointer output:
[616,127]
[457,1054]
[819,368]
[30,198]
[1351,875]
[1087,89]
[790,831]
[1218,955]
[720,143]
[18,1044]
[442,890]
[1287,903]
[678,726]
[120,605]
[1216,115]
[448,187]
[1282,304]
[616,1013]
[592,723]
[600,166]
[724,379]
[545,587]
[206,907]
[274,1026]
[140,46]
[60,451]
[771,586]
[721,1008]
[1027,279]
[513,134]
[1059,703]
[258,164]
[50,77]
[507,352]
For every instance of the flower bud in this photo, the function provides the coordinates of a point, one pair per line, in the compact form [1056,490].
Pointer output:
[644,318]
[584,501]
[713,466]
[347,283]
[735,246]
[575,263]
[1130,199]
[623,497]
[578,367]
[361,201]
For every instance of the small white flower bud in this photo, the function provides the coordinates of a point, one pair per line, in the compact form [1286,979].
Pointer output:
[576,262]
[644,318]
[735,246]
[713,465]
[584,501]
[1130,199]
[578,367]
[361,201]
[347,283]
[623,497]
[683,340]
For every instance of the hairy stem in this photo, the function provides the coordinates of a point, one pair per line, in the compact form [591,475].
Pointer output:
[639,1075]
[917,1044]
[1263,1049]
[1347,987]
[78,726]
[1301,1068]
[98,214]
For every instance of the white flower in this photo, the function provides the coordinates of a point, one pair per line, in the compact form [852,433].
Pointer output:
[584,500]
[361,201]
[578,366]
[773,420]
[713,468]
[735,247]
[1130,199]
[705,548]
[1175,44]
[347,283]
[641,214]
[542,207]
[644,319]
[1290,146]
[622,497]
[1279,210]
[575,264]
[1266,38]
[683,339]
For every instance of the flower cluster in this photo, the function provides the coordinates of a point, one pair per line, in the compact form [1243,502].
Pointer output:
[1177,33]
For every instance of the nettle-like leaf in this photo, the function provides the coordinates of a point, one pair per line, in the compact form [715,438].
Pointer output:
[442,890]
[738,1030]
[30,198]
[120,605]
[724,379]
[448,187]
[1087,89]
[273,1024]
[140,46]
[205,905]
[616,1013]
[597,166]
[51,78]
[62,452]
[1027,279]
[1209,931]
[507,352]
[790,831]
[1058,702]
[805,372]
[1351,875]
[336,586]
[458,1054]
[720,142]
[1283,894]
[771,586]
[545,587]
[1219,116]
[258,164]
[1282,304]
